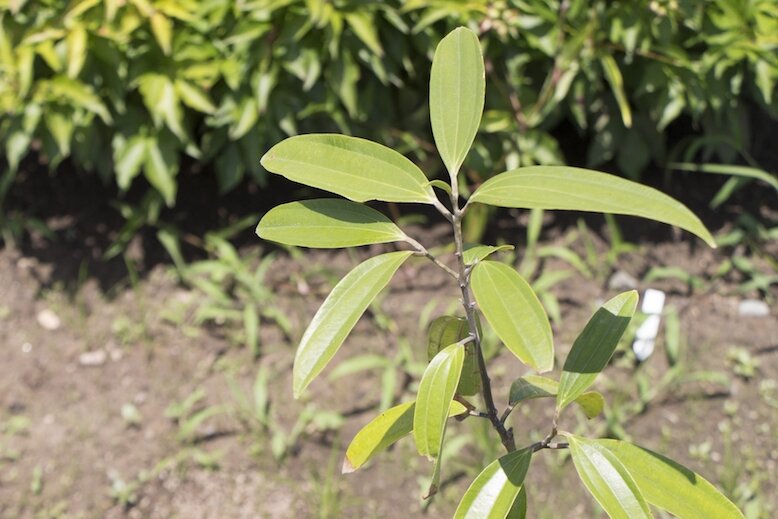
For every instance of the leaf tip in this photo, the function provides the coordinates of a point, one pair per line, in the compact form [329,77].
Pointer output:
[347,467]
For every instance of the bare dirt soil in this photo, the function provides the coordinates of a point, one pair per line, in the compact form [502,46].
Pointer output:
[85,432]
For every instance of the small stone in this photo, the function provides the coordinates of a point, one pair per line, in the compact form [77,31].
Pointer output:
[753,308]
[49,320]
[620,280]
[93,358]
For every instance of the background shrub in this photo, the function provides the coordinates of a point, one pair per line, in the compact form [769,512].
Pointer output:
[128,88]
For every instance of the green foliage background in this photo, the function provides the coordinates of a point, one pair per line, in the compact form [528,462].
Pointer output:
[127,88]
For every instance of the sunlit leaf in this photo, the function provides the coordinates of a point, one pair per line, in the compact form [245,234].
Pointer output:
[129,156]
[613,75]
[339,313]
[576,189]
[475,252]
[436,391]
[162,28]
[327,223]
[161,167]
[595,345]
[513,310]
[607,480]
[457,84]
[355,168]
[671,486]
[384,430]
[493,493]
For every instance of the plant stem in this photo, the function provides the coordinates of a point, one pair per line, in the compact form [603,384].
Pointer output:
[506,435]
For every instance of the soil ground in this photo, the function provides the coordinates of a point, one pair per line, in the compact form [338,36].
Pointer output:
[86,432]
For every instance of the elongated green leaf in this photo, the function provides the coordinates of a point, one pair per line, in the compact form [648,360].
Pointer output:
[729,169]
[607,480]
[327,223]
[384,430]
[671,486]
[595,345]
[613,75]
[339,313]
[129,156]
[512,308]
[530,387]
[446,330]
[457,84]
[475,253]
[436,391]
[519,508]
[576,189]
[492,494]
[161,166]
[357,169]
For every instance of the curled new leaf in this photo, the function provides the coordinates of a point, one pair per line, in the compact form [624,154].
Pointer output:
[384,430]
[576,189]
[327,223]
[436,391]
[357,169]
[457,84]
[339,313]
[493,493]
[594,347]
[512,308]
[607,480]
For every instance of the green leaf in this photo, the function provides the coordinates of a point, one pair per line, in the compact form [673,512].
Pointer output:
[339,313]
[447,330]
[384,430]
[457,85]
[327,223]
[79,94]
[436,391]
[492,494]
[576,189]
[726,169]
[364,27]
[519,508]
[595,345]
[671,486]
[607,480]
[512,308]
[613,75]
[194,97]
[76,45]
[475,252]
[357,169]
[162,28]
[161,100]
[161,166]
[530,387]
[129,156]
